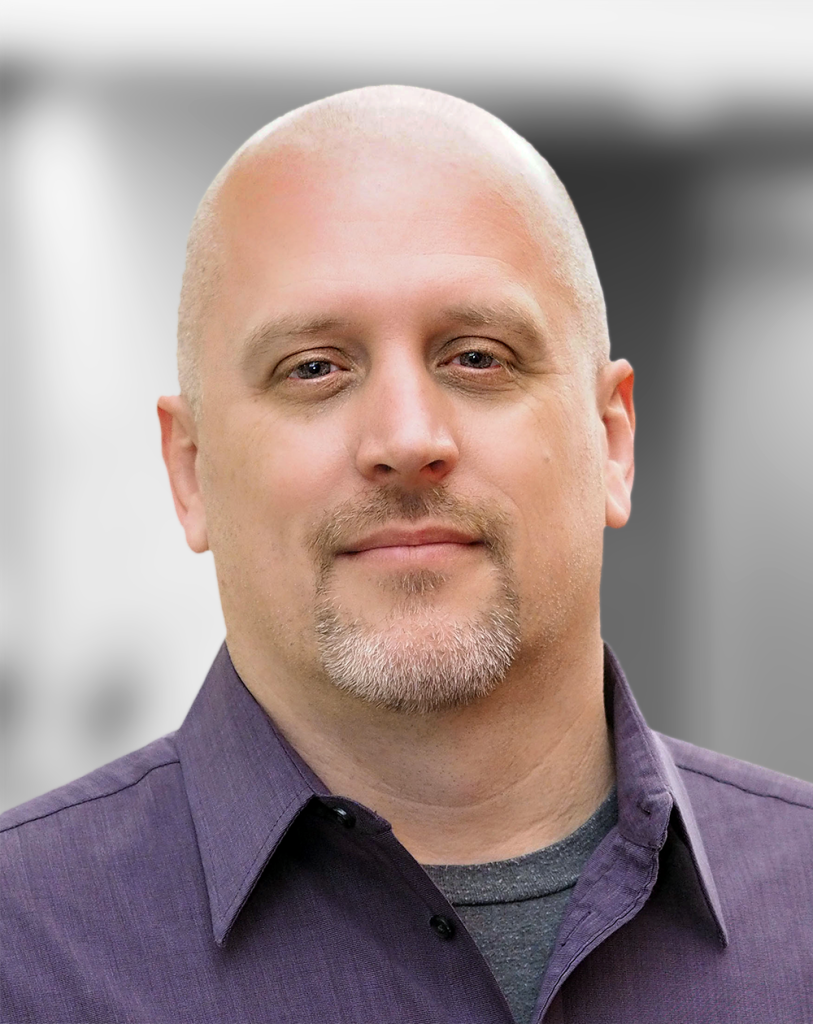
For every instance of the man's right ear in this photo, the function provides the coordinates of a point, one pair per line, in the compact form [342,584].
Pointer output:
[180,451]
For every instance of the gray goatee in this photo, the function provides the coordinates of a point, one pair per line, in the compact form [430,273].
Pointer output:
[418,661]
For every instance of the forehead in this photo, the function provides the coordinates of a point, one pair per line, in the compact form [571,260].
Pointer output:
[314,196]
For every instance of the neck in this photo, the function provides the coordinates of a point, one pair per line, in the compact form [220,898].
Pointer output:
[500,778]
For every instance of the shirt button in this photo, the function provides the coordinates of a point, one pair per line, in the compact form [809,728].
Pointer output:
[347,818]
[442,926]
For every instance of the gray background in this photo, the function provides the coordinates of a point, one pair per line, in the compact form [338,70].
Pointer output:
[701,220]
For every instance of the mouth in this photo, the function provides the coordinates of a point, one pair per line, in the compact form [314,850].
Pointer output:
[412,545]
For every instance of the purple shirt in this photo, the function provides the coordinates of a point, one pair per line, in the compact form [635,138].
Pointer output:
[210,877]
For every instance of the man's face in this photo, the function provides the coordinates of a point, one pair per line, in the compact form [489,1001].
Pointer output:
[400,449]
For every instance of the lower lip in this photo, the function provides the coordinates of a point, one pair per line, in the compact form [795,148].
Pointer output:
[412,554]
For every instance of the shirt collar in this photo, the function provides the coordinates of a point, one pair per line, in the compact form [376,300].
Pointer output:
[651,793]
[246,785]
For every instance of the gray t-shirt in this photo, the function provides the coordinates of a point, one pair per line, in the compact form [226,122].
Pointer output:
[513,908]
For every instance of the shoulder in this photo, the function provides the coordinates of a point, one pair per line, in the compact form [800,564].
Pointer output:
[112,839]
[125,782]
[730,780]
[756,824]
[95,873]
[756,831]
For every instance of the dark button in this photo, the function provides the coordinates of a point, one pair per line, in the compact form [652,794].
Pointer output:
[442,926]
[347,818]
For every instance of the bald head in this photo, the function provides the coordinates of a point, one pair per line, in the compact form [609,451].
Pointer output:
[380,129]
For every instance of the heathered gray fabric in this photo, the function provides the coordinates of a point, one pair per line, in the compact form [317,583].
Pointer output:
[513,908]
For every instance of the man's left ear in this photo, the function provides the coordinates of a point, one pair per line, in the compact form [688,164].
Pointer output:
[618,417]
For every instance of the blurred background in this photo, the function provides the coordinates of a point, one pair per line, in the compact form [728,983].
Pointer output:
[684,133]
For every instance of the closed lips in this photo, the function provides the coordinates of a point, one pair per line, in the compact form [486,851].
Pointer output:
[392,538]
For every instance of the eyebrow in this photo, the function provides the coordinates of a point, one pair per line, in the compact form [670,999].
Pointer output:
[289,325]
[501,316]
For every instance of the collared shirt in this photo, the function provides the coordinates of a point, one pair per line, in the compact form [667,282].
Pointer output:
[211,877]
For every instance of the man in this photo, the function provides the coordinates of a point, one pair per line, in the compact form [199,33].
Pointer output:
[414,787]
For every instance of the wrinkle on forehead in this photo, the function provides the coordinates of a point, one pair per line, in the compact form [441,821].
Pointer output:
[356,133]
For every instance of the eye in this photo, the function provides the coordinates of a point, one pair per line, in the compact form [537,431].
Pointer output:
[312,368]
[476,360]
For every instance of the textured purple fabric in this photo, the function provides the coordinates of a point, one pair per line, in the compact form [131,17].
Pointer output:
[209,878]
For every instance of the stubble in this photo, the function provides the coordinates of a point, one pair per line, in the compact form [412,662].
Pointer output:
[417,660]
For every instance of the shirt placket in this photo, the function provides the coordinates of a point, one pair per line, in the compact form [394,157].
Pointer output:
[613,888]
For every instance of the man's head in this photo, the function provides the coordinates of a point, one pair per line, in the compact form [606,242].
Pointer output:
[401,435]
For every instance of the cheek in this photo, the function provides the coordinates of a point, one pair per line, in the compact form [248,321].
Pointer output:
[278,478]
[268,484]
[549,475]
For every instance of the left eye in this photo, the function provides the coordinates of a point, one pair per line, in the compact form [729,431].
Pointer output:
[311,369]
[475,360]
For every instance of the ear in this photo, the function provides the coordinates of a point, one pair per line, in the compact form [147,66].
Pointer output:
[180,451]
[618,418]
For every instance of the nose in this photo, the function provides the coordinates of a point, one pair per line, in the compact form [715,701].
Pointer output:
[407,434]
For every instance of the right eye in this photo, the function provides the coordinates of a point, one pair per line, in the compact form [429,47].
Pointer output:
[312,368]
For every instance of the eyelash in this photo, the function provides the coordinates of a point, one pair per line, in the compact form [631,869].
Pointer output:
[469,351]
[312,362]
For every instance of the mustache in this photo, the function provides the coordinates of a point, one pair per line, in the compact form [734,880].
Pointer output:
[352,519]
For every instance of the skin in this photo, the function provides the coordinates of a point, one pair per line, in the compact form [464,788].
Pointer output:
[391,244]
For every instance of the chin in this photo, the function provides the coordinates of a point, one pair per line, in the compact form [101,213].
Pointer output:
[421,660]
